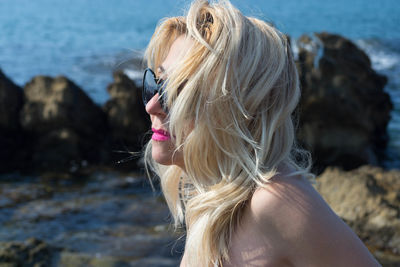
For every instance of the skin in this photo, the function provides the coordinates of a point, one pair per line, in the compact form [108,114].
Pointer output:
[164,152]
[287,223]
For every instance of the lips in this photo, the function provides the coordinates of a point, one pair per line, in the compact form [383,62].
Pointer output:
[160,135]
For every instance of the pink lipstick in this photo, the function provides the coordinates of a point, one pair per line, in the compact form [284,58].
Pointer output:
[160,135]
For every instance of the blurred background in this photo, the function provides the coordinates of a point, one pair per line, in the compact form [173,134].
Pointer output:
[110,215]
[87,40]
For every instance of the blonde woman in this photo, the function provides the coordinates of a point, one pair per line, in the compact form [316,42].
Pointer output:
[220,89]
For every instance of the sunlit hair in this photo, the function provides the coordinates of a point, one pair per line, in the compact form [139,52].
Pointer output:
[232,119]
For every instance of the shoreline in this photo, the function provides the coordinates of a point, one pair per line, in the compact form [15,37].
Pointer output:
[111,217]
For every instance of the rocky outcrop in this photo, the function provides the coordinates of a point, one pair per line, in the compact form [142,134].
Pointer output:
[11,101]
[11,137]
[368,199]
[32,252]
[65,127]
[104,219]
[52,125]
[343,110]
[343,114]
[126,115]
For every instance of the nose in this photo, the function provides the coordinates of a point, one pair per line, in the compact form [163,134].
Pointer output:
[153,107]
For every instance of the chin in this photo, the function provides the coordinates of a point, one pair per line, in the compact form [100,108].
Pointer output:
[161,159]
[163,154]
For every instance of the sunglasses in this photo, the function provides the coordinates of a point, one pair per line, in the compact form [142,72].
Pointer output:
[152,86]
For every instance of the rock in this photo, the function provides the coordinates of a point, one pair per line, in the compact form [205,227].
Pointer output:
[14,193]
[368,199]
[37,253]
[11,100]
[71,259]
[11,137]
[65,126]
[156,262]
[126,114]
[32,252]
[343,110]
[53,103]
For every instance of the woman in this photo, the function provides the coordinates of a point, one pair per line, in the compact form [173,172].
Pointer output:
[220,91]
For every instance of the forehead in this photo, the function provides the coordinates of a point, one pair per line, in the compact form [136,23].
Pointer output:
[179,48]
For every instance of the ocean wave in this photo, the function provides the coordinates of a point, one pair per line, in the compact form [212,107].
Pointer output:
[382,57]
[135,75]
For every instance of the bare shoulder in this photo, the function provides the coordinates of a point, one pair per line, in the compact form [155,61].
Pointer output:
[293,198]
[291,214]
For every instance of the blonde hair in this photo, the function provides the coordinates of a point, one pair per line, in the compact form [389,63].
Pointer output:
[240,89]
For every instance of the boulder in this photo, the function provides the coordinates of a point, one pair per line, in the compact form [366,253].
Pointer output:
[32,252]
[368,199]
[66,128]
[126,115]
[11,100]
[74,259]
[53,103]
[343,110]
[11,137]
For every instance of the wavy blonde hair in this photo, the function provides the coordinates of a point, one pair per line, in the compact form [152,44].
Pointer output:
[240,89]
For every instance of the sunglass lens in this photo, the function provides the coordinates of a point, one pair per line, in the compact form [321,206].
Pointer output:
[163,97]
[152,86]
[149,86]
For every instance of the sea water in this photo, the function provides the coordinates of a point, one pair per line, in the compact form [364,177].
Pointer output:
[86,40]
